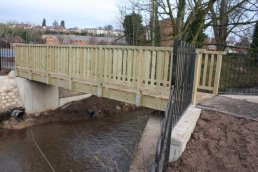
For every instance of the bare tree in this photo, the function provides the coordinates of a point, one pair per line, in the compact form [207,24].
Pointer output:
[190,18]
[233,17]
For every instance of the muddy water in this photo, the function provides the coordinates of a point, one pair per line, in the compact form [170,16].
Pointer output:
[104,144]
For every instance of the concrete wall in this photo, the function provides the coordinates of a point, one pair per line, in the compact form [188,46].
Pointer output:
[37,97]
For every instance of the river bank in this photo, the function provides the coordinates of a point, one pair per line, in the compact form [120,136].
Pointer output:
[93,107]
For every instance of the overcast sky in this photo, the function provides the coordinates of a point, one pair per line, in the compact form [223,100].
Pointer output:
[75,13]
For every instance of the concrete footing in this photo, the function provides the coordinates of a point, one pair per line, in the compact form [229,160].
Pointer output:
[37,97]
[181,133]
[146,150]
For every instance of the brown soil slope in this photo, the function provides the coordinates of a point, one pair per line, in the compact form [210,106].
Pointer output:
[220,143]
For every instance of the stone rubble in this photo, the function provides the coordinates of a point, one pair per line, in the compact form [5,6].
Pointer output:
[9,95]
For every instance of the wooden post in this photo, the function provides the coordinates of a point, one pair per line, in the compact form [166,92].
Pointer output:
[217,74]
[196,75]
[138,97]
[100,65]
[70,62]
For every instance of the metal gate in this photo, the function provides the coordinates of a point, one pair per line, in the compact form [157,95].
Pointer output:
[239,74]
[179,100]
[7,56]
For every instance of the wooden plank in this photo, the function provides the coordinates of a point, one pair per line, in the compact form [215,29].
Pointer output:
[134,75]
[217,74]
[93,61]
[147,67]
[101,63]
[205,70]
[125,57]
[153,67]
[119,65]
[97,64]
[115,54]
[160,64]
[198,64]
[129,67]
[89,61]
[139,69]
[110,64]
[205,88]
[106,66]
[166,70]
[211,70]
[81,63]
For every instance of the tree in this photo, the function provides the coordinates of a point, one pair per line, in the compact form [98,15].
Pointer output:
[63,23]
[244,42]
[108,27]
[154,25]
[225,17]
[233,17]
[44,23]
[133,29]
[254,44]
[55,23]
[181,14]
[199,18]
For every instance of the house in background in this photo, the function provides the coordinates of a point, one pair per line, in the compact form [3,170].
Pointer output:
[10,42]
[166,33]
[82,40]
[51,40]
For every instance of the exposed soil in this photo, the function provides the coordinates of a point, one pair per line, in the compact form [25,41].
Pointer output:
[220,143]
[4,72]
[93,107]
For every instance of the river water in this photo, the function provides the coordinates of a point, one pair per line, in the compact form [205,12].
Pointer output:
[104,144]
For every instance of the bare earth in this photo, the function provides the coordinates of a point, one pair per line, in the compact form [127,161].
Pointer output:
[4,72]
[220,143]
[79,110]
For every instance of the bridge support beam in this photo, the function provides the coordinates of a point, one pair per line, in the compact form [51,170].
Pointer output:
[37,97]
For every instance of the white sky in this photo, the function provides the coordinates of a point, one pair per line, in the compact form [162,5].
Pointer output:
[75,13]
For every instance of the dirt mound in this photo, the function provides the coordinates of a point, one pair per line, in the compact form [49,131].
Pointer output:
[93,107]
[220,143]
[4,72]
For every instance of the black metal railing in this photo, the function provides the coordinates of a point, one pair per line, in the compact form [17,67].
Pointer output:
[7,56]
[179,99]
[239,74]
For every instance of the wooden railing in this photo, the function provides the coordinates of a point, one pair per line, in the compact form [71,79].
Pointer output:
[207,71]
[141,70]
[100,70]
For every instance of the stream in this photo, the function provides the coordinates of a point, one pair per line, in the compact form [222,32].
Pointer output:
[97,144]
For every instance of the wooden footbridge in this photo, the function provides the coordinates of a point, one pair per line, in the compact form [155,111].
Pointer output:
[137,75]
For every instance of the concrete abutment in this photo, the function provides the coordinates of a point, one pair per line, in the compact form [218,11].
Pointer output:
[37,97]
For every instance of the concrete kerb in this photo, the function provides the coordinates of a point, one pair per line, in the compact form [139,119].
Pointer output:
[181,133]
